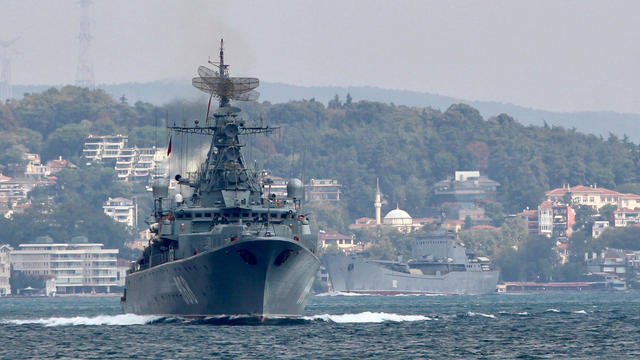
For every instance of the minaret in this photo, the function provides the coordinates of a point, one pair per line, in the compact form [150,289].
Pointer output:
[378,203]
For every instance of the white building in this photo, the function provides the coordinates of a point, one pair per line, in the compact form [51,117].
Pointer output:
[121,210]
[103,147]
[599,226]
[322,190]
[5,269]
[78,267]
[401,220]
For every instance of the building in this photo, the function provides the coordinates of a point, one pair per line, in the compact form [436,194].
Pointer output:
[122,266]
[121,210]
[363,223]
[275,185]
[78,267]
[98,148]
[140,164]
[34,169]
[530,218]
[13,193]
[141,242]
[593,196]
[345,243]
[625,217]
[555,219]
[396,218]
[599,226]
[5,269]
[322,190]
[610,261]
[466,187]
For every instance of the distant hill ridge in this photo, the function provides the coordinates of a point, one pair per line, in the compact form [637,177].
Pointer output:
[598,123]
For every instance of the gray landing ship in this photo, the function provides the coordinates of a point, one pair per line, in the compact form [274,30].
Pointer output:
[439,265]
[228,249]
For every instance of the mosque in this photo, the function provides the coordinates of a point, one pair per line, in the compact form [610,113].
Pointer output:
[397,218]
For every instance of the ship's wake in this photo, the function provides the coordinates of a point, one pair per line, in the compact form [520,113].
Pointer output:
[131,319]
[366,317]
[113,320]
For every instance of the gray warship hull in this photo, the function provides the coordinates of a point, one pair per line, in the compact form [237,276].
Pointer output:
[360,275]
[227,281]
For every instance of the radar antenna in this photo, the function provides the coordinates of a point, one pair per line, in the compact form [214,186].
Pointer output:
[219,84]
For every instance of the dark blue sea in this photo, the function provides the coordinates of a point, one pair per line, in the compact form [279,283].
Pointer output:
[532,326]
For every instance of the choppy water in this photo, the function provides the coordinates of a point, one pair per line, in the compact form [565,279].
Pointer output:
[533,326]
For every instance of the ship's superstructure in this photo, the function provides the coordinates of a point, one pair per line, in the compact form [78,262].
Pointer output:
[227,250]
[439,265]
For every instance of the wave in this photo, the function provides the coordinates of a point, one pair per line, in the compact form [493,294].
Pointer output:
[580,312]
[121,319]
[471,313]
[367,317]
[339,293]
[552,310]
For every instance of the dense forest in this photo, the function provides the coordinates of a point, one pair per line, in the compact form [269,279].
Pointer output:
[407,148]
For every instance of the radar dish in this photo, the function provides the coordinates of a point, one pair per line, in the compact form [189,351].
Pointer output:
[204,71]
[234,88]
[250,96]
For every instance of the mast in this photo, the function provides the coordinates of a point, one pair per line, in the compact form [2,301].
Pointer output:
[223,179]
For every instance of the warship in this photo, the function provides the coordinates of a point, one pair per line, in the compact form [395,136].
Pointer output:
[439,265]
[233,247]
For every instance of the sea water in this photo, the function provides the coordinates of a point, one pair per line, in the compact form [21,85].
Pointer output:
[586,325]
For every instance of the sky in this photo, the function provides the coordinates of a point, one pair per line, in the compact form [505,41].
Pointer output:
[552,55]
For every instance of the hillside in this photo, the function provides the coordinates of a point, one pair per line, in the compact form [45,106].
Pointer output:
[598,123]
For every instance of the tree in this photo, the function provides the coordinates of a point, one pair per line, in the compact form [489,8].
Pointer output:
[335,103]
[66,141]
[606,211]
[494,211]
[467,222]
[584,217]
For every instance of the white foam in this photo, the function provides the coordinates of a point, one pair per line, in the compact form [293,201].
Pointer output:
[524,313]
[491,316]
[552,310]
[339,293]
[367,317]
[121,319]
[580,312]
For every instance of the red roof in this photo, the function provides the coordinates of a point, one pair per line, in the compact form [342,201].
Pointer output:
[488,227]
[581,189]
[325,236]
[546,205]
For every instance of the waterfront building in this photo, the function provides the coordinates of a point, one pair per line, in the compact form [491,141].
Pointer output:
[593,196]
[345,243]
[5,269]
[554,219]
[322,190]
[78,267]
[610,261]
[121,210]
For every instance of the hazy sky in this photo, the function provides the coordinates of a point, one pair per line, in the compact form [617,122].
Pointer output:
[555,55]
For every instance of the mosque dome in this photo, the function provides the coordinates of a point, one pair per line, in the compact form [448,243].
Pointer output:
[397,217]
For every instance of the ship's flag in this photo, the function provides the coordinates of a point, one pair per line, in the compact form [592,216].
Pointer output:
[208,107]
[169,147]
